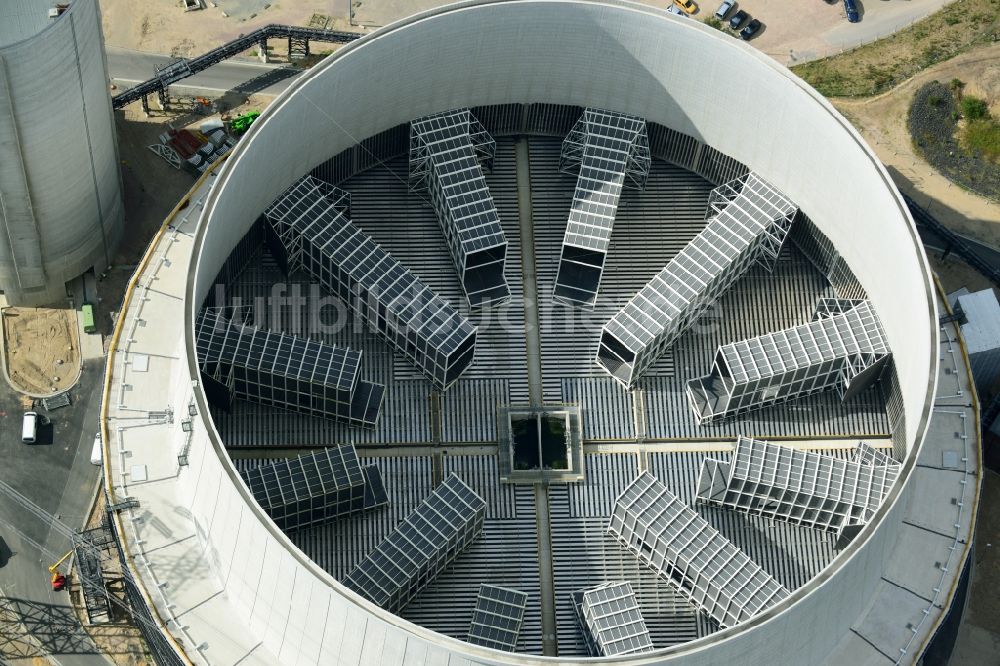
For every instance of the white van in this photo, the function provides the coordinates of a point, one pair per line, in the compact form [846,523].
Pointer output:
[97,452]
[29,427]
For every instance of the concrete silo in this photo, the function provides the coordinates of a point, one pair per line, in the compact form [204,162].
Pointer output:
[61,208]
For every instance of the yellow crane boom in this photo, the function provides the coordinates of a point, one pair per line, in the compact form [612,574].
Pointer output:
[62,559]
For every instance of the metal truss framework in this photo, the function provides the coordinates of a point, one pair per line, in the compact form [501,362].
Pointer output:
[316,488]
[610,620]
[609,151]
[310,230]
[92,549]
[867,454]
[446,151]
[285,371]
[799,487]
[683,549]
[181,69]
[496,621]
[844,347]
[748,221]
[426,542]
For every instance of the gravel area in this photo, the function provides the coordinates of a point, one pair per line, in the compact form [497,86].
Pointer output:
[933,122]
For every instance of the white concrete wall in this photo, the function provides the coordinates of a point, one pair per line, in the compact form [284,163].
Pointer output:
[63,126]
[621,57]
[633,60]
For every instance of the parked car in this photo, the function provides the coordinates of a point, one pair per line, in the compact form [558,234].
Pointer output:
[737,19]
[751,29]
[97,450]
[687,5]
[29,427]
[30,424]
[673,9]
[723,11]
[851,7]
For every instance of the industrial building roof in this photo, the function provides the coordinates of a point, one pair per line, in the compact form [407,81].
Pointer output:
[982,331]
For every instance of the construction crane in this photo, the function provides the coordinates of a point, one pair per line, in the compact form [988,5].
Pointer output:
[58,579]
[85,548]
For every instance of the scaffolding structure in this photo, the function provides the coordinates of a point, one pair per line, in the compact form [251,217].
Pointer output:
[843,348]
[684,550]
[748,220]
[609,151]
[426,542]
[610,620]
[799,487]
[92,550]
[446,153]
[309,229]
[497,619]
[284,371]
[316,488]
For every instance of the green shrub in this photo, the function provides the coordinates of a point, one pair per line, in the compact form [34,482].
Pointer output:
[983,137]
[956,85]
[935,100]
[974,108]
[714,22]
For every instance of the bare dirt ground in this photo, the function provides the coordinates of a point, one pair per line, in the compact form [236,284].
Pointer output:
[162,26]
[882,121]
[42,348]
[791,34]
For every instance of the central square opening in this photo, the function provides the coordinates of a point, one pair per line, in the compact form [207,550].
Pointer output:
[540,441]
[540,444]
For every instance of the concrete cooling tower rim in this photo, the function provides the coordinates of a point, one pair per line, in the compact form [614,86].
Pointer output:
[602,54]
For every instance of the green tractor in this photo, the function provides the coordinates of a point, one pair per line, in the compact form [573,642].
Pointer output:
[240,124]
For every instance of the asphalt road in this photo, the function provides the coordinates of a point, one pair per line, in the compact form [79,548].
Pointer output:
[127,68]
[57,475]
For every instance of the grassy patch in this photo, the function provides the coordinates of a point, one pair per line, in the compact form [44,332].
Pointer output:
[881,65]
[974,108]
[958,136]
[982,137]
